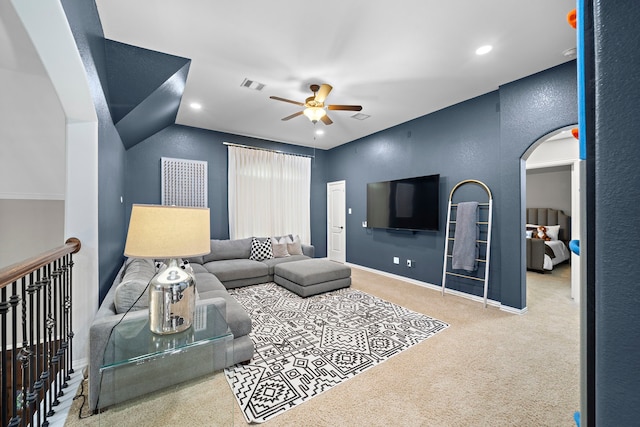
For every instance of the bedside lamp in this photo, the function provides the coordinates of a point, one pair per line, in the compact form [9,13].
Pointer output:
[170,233]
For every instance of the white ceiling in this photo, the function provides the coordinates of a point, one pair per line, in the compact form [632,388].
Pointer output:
[399,60]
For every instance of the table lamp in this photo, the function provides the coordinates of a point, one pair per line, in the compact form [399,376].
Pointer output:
[169,233]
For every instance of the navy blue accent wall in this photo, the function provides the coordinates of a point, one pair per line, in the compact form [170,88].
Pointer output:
[145,89]
[459,142]
[319,202]
[134,73]
[155,112]
[529,109]
[617,195]
[143,173]
[87,32]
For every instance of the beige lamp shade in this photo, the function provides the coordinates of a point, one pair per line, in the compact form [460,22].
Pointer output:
[157,232]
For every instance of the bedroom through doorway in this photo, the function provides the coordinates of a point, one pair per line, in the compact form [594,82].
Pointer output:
[551,180]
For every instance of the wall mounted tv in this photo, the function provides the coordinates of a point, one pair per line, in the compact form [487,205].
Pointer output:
[404,204]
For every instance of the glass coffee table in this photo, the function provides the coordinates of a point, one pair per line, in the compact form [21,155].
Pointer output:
[137,361]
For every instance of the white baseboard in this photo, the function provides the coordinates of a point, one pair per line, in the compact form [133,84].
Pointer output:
[438,288]
[59,418]
[79,364]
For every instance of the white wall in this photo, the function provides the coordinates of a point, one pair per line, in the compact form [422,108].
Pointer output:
[549,188]
[558,150]
[549,173]
[36,224]
[32,137]
[50,37]
[32,131]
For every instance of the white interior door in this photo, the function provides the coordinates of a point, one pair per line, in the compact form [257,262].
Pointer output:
[336,228]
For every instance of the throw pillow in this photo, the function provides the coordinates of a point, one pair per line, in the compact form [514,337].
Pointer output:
[279,247]
[261,250]
[294,247]
[553,231]
[131,292]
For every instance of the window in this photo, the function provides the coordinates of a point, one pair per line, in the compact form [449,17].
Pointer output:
[269,194]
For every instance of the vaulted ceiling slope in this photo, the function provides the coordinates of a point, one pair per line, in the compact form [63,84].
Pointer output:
[144,89]
[399,60]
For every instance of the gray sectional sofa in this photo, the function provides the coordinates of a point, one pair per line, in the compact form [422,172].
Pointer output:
[227,266]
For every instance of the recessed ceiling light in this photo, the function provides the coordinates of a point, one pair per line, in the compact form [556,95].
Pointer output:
[319,132]
[484,49]
[195,106]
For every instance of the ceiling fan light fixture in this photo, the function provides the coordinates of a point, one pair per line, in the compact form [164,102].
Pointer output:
[314,113]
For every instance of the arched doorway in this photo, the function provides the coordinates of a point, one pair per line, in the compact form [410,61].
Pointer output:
[558,151]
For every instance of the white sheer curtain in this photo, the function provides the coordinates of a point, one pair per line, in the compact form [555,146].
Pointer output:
[269,194]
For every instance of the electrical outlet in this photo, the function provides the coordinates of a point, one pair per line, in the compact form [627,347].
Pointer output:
[396,260]
[409,263]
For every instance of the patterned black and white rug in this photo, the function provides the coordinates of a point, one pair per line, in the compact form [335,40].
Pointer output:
[305,346]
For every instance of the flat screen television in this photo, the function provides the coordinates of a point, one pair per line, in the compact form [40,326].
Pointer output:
[404,204]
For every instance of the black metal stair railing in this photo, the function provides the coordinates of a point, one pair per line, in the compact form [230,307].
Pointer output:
[36,335]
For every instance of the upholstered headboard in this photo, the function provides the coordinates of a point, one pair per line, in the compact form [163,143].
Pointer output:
[548,216]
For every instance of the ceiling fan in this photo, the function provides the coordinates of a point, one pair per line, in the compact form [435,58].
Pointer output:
[314,105]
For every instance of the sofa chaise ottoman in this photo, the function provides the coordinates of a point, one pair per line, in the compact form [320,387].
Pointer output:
[230,261]
[227,266]
[312,276]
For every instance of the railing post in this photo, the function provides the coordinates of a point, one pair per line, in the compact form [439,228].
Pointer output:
[38,385]
[45,376]
[56,335]
[68,316]
[49,341]
[4,309]
[14,299]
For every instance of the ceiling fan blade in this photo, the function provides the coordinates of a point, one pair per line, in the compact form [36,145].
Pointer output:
[326,120]
[345,107]
[277,98]
[293,115]
[323,92]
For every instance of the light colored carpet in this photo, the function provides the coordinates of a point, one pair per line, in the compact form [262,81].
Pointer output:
[490,368]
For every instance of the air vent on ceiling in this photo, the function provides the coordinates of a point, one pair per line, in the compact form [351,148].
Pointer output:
[252,84]
[360,116]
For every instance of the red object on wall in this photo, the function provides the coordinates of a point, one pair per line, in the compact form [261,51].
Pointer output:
[571,18]
[574,132]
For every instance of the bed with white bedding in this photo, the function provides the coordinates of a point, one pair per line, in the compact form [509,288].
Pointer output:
[560,254]
[543,255]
